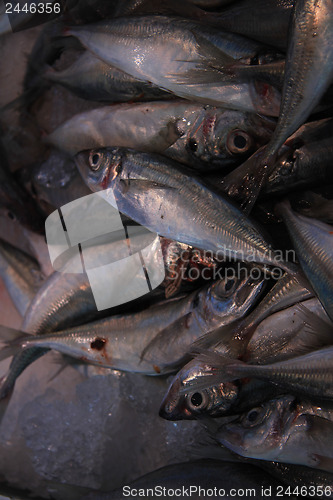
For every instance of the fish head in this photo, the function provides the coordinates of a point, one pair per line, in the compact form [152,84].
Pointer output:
[236,292]
[99,167]
[261,432]
[223,137]
[180,404]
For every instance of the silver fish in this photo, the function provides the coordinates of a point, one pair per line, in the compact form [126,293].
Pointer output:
[283,430]
[308,73]
[155,340]
[314,238]
[316,206]
[280,336]
[309,374]
[196,135]
[90,78]
[198,61]
[150,189]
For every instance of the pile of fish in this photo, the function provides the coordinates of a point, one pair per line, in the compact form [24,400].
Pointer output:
[208,126]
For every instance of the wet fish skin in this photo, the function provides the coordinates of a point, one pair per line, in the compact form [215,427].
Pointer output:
[307,166]
[163,333]
[314,238]
[280,336]
[308,73]
[282,430]
[92,79]
[202,137]
[197,63]
[149,188]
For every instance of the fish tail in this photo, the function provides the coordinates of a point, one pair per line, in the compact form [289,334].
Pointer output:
[12,341]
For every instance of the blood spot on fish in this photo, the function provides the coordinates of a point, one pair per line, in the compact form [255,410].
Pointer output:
[98,344]
[157,369]
[162,216]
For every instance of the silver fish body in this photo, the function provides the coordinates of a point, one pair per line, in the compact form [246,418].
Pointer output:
[195,59]
[157,339]
[187,132]
[284,431]
[149,189]
[90,78]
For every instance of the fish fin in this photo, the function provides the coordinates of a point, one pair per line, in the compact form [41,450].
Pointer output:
[200,75]
[215,57]
[167,336]
[245,182]
[315,324]
[223,369]
[11,339]
[220,339]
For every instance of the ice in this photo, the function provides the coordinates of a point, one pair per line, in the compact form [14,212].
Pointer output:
[100,431]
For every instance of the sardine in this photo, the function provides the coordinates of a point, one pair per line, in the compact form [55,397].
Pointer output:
[198,62]
[196,135]
[90,78]
[283,430]
[151,189]
[309,374]
[308,73]
[155,340]
[281,336]
[315,239]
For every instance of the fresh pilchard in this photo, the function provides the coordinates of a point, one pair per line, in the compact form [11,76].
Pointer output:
[283,430]
[155,340]
[90,78]
[187,132]
[308,73]
[198,61]
[150,189]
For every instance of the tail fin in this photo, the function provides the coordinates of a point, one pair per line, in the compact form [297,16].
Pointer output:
[12,340]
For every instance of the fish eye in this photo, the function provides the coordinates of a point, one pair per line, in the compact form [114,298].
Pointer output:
[193,145]
[95,160]
[226,287]
[254,417]
[197,400]
[238,142]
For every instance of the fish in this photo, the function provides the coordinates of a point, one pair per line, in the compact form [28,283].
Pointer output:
[150,189]
[21,275]
[315,238]
[201,137]
[303,168]
[199,62]
[282,335]
[308,374]
[90,78]
[308,74]
[283,430]
[153,341]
